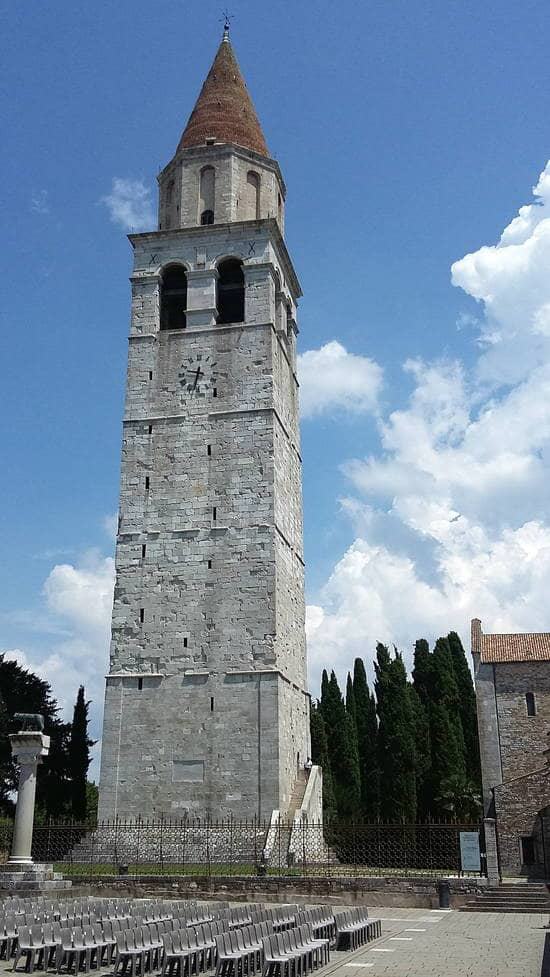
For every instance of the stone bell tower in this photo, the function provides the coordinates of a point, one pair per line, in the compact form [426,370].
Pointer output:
[206,708]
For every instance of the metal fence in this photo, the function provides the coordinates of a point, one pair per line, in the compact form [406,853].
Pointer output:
[293,848]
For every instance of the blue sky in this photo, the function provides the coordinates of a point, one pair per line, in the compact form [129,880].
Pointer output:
[409,134]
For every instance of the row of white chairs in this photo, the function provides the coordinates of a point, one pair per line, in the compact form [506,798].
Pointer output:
[294,953]
[355,927]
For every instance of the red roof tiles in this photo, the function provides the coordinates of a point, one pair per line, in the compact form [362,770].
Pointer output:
[527,647]
[224,110]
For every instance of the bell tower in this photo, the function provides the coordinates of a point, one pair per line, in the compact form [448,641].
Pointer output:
[206,704]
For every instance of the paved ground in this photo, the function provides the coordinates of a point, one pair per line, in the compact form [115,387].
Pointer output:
[435,943]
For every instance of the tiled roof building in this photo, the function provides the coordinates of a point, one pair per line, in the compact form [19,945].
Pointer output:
[512,677]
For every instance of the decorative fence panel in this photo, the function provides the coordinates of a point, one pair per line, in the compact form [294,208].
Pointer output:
[166,847]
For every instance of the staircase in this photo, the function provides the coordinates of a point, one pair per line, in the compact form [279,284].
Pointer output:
[511,897]
[297,796]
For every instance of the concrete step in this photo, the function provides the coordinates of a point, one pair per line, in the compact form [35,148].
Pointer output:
[520,897]
[474,908]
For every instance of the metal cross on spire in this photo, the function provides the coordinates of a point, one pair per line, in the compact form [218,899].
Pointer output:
[226,18]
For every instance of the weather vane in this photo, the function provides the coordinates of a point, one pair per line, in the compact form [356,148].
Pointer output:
[226,18]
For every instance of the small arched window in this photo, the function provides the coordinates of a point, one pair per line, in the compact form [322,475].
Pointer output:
[207,195]
[252,209]
[230,291]
[173,298]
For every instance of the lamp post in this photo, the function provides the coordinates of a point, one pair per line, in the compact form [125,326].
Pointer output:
[28,746]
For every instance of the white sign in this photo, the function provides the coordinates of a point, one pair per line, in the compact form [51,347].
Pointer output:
[470,859]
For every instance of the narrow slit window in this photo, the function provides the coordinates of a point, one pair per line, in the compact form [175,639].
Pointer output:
[141,615]
[210,564]
[150,429]
[185,642]
[147,483]
[530,704]
[215,392]
[211,703]
[214,513]
[150,374]
[140,684]
[208,449]
[143,550]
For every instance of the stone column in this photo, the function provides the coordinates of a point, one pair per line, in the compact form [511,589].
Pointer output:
[28,748]
[201,297]
[491,851]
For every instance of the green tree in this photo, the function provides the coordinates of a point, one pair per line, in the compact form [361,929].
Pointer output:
[447,739]
[422,755]
[320,756]
[421,698]
[24,692]
[396,738]
[367,739]
[6,768]
[79,756]
[92,798]
[342,750]
[467,708]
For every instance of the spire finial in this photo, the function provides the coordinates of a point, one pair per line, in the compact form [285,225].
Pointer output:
[226,18]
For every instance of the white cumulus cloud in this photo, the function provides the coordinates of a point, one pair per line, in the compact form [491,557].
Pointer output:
[452,512]
[332,379]
[129,204]
[78,598]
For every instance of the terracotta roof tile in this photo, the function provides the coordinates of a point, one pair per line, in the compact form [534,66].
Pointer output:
[224,109]
[529,647]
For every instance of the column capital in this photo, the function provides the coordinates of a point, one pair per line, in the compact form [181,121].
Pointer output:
[29,747]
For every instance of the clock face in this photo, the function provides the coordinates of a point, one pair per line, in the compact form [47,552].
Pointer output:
[197,376]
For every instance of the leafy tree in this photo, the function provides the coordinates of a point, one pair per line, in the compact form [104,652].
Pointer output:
[24,692]
[396,738]
[319,755]
[92,798]
[367,738]
[447,739]
[79,756]
[467,707]
[421,699]
[422,753]
[342,750]
[460,798]
[6,766]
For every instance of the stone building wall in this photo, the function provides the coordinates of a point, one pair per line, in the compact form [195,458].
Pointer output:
[206,709]
[179,185]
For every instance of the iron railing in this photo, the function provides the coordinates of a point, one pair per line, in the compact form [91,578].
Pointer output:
[294,848]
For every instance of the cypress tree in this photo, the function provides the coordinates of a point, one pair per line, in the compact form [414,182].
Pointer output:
[342,751]
[351,711]
[447,739]
[79,756]
[421,699]
[396,734]
[467,707]
[319,755]
[367,737]
[423,758]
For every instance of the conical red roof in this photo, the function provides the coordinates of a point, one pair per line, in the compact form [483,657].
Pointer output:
[224,109]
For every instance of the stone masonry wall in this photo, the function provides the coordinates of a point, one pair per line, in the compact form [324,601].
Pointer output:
[179,186]
[523,738]
[206,711]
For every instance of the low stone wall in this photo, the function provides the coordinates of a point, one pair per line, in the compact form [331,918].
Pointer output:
[421,892]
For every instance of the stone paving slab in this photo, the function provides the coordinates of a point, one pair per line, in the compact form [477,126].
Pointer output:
[424,943]
[435,943]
